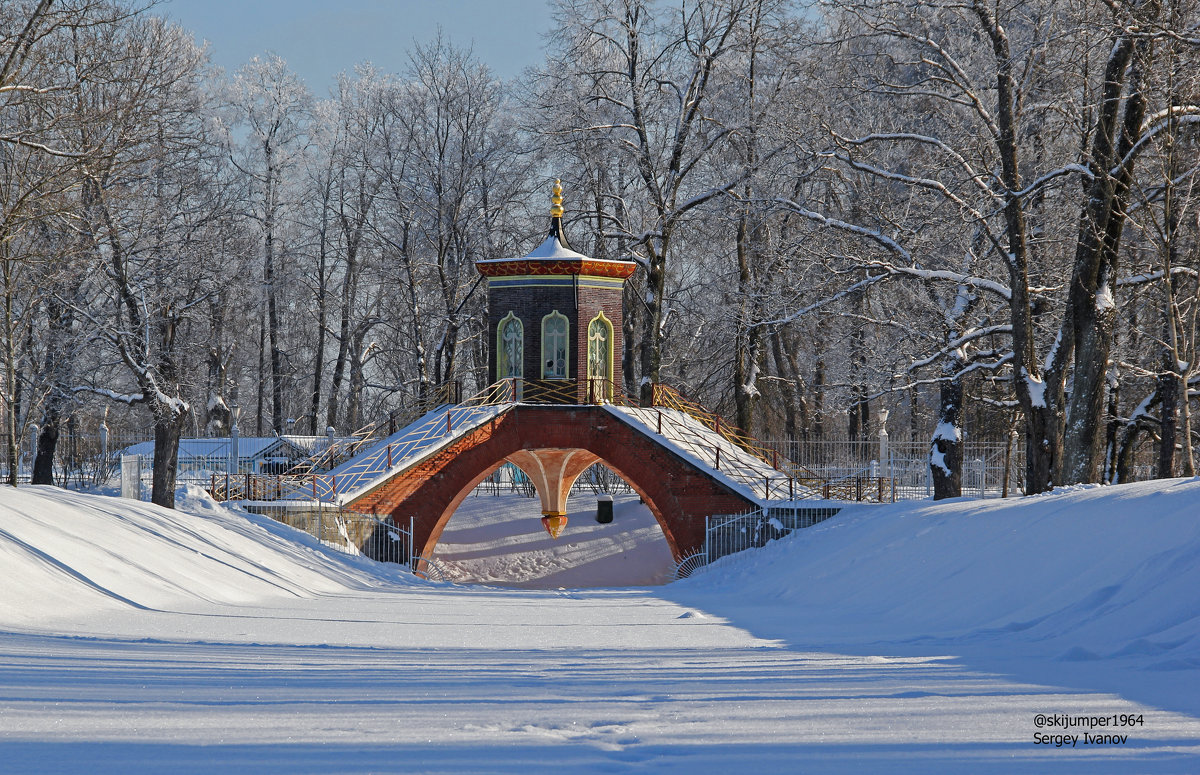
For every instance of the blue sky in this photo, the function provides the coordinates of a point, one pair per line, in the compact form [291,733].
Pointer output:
[320,38]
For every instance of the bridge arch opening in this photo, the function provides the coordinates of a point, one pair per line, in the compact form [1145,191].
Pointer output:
[490,532]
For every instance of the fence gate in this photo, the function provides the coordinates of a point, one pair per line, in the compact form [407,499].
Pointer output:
[131,477]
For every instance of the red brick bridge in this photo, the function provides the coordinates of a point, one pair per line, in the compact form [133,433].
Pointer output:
[554,445]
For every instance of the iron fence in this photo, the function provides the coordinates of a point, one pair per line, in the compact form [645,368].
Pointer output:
[726,534]
[989,470]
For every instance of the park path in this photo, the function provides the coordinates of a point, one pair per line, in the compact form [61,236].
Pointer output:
[425,678]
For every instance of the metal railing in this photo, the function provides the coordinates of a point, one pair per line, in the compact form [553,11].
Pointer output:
[349,532]
[766,473]
[726,534]
[989,469]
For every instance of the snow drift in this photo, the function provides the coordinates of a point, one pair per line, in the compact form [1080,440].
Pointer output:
[68,555]
[1085,574]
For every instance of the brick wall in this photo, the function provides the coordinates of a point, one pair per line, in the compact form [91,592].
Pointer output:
[531,304]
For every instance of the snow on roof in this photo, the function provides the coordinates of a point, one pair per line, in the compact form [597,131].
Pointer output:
[552,248]
[248,447]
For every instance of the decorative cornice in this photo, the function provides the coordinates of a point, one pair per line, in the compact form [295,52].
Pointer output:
[591,267]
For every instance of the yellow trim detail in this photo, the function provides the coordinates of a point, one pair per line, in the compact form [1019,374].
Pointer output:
[593,340]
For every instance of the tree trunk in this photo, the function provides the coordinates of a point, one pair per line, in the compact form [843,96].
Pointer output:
[59,360]
[795,405]
[43,462]
[1111,433]
[271,184]
[945,453]
[652,327]
[355,388]
[1092,308]
[1168,391]
[748,339]
[168,427]
[322,321]
[262,376]
[631,302]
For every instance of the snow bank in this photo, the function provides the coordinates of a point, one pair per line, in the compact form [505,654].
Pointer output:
[1078,574]
[67,555]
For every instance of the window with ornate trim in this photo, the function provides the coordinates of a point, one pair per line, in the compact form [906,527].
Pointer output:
[555,346]
[510,347]
[600,358]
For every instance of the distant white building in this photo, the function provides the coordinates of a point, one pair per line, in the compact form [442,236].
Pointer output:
[256,454]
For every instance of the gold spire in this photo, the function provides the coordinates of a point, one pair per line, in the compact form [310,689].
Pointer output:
[556,210]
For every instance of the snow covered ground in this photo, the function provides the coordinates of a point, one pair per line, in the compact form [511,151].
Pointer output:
[904,638]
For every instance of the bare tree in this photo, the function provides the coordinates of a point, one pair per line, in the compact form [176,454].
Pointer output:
[274,105]
[641,76]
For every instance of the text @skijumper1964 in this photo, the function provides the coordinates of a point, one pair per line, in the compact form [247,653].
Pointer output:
[1065,730]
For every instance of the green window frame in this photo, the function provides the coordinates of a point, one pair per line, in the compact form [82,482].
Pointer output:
[556,346]
[600,356]
[510,347]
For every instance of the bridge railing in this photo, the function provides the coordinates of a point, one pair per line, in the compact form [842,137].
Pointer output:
[771,477]
[665,395]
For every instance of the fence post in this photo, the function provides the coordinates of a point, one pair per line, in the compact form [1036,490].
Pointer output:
[659,422]
[104,445]
[412,544]
[982,477]
[718,466]
[389,456]
[235,414]
[885,453]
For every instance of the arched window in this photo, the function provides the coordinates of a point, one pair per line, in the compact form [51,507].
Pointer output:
[600,358]
[555,351]
[510,347]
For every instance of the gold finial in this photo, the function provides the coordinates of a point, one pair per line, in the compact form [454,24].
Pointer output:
[556,200]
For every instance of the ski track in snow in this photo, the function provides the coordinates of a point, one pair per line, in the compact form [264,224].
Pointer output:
[906,638]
